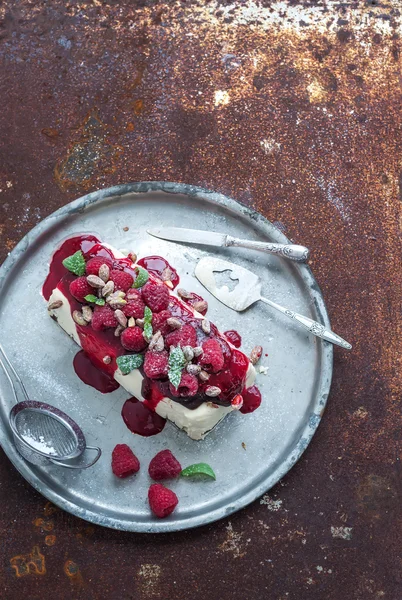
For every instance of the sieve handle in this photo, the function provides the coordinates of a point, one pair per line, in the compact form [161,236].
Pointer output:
[12,376]
[69,466]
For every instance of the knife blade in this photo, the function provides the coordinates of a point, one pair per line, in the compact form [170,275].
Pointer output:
[212,238]
[190,236]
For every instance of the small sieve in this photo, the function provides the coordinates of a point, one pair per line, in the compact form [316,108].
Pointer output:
[42,433]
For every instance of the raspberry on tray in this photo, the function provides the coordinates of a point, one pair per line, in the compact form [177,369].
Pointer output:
[124,461]
[164,466]
[162,500]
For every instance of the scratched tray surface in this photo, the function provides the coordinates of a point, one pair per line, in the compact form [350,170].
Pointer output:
[294,389]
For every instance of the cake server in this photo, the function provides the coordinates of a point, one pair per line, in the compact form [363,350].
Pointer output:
[248,291]
[42,433]
[211,238]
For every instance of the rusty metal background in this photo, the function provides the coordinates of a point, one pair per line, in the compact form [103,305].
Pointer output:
[294,108]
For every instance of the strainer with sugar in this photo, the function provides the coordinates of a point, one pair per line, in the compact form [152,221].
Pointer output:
[42,433]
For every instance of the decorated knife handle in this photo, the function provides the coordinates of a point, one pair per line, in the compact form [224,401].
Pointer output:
[290,251]
[312,326]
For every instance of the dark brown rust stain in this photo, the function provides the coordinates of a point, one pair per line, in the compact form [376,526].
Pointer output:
[295,111]
[50,509]
[72,570]
[43,524]
[50,540]
[50,133]
[378,497]
[91,151]
[29,564]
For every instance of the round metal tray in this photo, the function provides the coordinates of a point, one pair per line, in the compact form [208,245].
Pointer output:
[249,453]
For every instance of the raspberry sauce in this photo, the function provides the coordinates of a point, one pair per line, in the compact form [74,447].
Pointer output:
[91,375]
[193,300]
[233,337]
[56,268]
[251,399]
[140,419]
[156,265]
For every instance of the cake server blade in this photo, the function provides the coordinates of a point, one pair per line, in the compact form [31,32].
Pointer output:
[248,291]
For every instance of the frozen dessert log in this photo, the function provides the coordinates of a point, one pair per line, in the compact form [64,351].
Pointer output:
[202,389]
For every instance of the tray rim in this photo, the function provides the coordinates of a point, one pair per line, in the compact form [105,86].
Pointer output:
[192,191]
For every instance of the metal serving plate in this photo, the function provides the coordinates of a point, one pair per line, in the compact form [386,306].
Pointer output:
[295,388]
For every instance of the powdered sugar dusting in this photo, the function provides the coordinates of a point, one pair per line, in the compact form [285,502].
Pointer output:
[39,444]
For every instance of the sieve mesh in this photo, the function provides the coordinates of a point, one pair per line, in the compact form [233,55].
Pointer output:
[45,433]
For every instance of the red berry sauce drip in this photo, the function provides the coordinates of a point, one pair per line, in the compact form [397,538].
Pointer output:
[156,265]
[93,376]
[233,337]
[152,391]
[140,419]
[251,399]
[195,298]
[56,268]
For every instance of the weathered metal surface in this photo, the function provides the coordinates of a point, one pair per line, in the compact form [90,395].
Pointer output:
[295,110]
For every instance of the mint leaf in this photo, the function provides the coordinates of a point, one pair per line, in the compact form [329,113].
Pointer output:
[198,469]
[75,263]
[141,278]
[176,365]
[129,362]
[95,299]
[147,323]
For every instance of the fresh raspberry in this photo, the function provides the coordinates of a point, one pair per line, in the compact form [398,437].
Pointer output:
[161,500]
[164,466]
[124,461]
[156,364]
[212,360]
[159,321]
[122,280]
[186,336]
[188,386]
[134,308]
[132,339]
[156,296]
[79,288]
[93,265]
[133,294]
[103,318]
